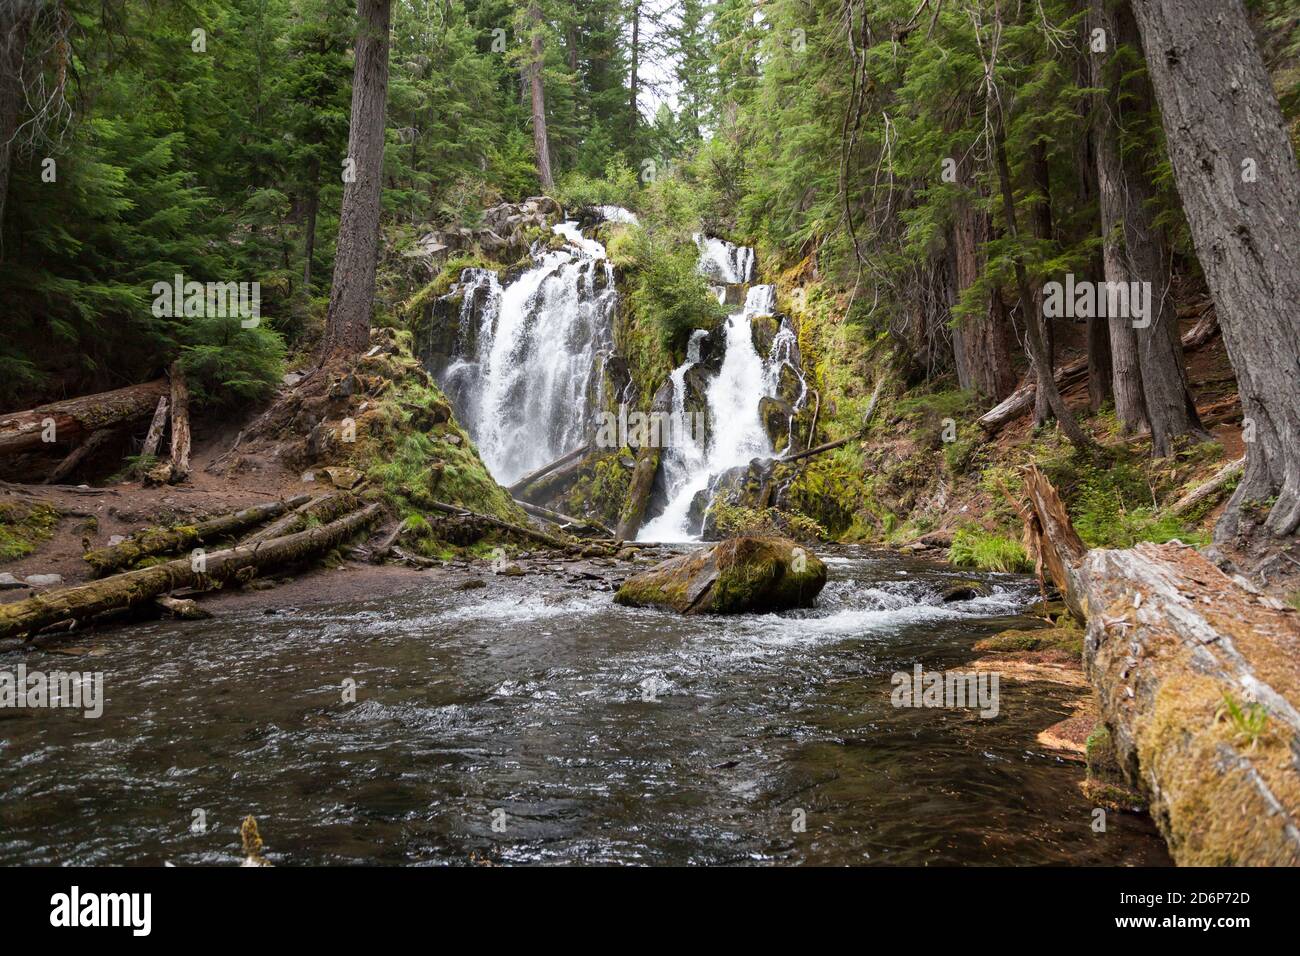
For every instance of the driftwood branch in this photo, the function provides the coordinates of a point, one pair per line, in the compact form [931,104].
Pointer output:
[133,588]
[323,509]
[839,442]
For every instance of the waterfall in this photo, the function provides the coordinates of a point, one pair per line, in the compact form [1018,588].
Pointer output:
[530,354]
[737,434]
[724,262]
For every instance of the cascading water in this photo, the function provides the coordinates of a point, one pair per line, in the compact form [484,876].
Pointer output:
[525,382]
[737,434]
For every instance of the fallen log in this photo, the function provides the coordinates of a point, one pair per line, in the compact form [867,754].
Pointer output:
[1217,484]
[323,509]
[157,541]
[1197,675]
[73,418]
[1021,401]
[185,609]
[568,458]
[497,523]
[133,588]
[86,449]
[565,521]
[1050,539]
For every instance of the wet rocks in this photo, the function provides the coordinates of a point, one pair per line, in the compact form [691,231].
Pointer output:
[740,575]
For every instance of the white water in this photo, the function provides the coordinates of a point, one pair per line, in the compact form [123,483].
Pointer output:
[737,434]
[528,391]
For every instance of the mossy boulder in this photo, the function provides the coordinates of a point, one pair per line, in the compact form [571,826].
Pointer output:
[740,575]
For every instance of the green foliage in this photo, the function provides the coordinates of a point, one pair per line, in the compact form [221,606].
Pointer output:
[976,548]
[23,527]
[668,292]
[1249,721]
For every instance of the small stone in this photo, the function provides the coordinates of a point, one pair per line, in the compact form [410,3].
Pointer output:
[8,582]
[473,584]
[512,571]
[291,379]
[341,476]
[44,580]
[115,540]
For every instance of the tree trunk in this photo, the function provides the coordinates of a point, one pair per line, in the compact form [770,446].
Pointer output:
[1040,224]
[1150,382]
[309,236]
[1236,174]
[981,343]
[133,588]
[74,417]
[540,142]
[153,437]
[14,27]
[347,329]
[1033,334]
[180,404]
[634,81]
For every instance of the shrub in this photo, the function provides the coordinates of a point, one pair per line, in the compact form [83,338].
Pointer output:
[984,551]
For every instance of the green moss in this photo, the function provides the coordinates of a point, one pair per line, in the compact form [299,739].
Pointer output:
[985,551]
[24,526]
[1065,636]
[1103,762]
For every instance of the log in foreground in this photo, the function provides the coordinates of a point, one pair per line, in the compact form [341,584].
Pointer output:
[1197,678]
[133,588]
[500,525]
[323,509]
[166,540]
[1197,675]
[75,417]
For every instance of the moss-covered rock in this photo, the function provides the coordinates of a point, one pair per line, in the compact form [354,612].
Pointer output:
[737,576]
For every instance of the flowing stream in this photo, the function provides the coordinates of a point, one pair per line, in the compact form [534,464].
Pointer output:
[602,734]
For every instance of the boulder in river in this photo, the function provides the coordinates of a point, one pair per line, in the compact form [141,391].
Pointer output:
[740,575]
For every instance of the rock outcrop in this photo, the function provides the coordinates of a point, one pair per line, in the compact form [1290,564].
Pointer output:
[736,576]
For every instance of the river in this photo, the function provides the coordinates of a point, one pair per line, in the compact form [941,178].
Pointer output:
[533,721]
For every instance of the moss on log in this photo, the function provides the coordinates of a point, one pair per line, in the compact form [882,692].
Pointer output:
[156,541]
[132,588]
[321,510]
[75,417]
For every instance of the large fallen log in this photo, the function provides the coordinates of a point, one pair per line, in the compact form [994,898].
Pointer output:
[566,459]
[133,588]
[87,449]
[1216,485]
[1021,401]
[1197,675]
[500,525]
[155,541]
[73,418]
[322,509]
[564,521]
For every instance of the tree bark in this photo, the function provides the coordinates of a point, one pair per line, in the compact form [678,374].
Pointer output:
[74,417]
[982,342]
[634,81]
[1134,251]
[133,588]
[540,141]
[1225,129]
[347,328]
[180,405]
[153,437]
[1040,224]
[14,28]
